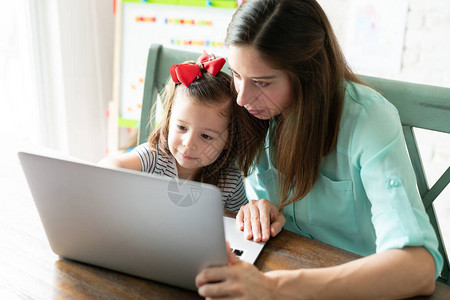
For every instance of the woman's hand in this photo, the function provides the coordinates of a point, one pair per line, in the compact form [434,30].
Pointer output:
[260,219]
[392,274]
[237,280]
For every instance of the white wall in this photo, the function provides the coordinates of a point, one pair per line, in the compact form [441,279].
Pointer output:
[426,46]
[427,43]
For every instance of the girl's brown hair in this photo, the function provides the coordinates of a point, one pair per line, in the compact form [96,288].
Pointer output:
[239,149]
[296,37]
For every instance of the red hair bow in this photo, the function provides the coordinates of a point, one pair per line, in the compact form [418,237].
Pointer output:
[186,73]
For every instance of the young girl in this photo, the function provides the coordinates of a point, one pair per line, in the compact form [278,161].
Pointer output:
[200,137]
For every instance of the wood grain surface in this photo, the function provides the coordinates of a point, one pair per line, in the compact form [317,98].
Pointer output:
[30,270]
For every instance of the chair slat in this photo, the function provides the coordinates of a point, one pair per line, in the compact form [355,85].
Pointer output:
[419,105]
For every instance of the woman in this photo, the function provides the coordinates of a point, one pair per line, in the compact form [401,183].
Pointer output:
[334,167]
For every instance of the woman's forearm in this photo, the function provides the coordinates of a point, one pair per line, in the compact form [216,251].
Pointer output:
[393,274]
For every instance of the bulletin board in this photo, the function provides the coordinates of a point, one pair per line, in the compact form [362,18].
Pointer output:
[192,25]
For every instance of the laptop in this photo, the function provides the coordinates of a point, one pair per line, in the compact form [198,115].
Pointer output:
[154,227]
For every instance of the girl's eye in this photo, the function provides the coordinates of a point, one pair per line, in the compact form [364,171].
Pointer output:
[180,127]
[206,137]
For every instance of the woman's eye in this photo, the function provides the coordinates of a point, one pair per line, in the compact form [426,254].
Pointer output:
[236,75]
[180,127]
[261,83]
[206,137]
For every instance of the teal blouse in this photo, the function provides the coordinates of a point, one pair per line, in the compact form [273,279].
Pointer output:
[365,199]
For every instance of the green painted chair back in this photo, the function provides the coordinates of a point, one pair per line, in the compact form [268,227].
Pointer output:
[420,106]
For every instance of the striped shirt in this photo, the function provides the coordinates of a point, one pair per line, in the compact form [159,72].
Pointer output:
[231,182]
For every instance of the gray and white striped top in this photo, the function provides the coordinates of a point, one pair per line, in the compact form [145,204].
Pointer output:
[156,162]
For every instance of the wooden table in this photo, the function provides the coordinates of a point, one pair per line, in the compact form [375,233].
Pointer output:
[30,270]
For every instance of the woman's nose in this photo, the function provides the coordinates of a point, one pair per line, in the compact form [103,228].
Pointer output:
[246,94]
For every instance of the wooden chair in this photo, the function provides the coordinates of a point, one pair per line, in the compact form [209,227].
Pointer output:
[420,106]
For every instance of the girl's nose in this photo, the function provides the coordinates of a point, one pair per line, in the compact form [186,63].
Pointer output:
[189,141]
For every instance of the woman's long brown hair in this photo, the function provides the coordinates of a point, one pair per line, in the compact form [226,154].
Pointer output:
[239,150]
[296,37]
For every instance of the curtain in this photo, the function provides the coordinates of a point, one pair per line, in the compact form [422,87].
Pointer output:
[56,73]
[18,87]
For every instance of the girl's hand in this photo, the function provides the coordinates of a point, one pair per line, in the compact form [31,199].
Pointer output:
[237,280]
[128,161]
[260,219]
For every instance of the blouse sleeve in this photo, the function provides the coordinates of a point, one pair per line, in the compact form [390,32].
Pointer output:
[398,214]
